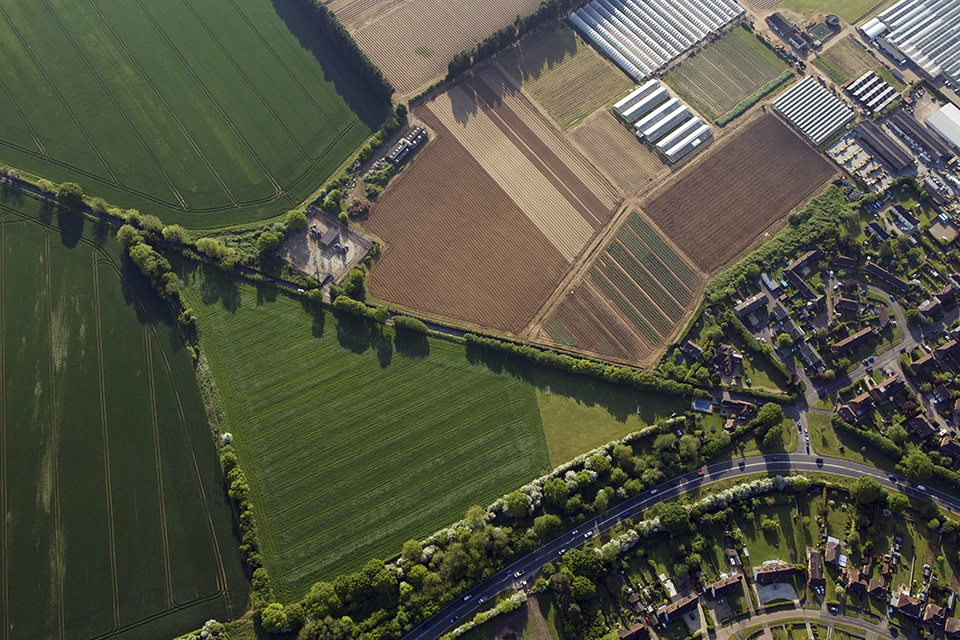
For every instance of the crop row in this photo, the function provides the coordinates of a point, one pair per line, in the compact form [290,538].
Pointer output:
[702,86]
[664,251]
[642,254]
[726,69]
[649,284]
[761,67]
[628,310]
[559,333]
[585,329]
[637,297]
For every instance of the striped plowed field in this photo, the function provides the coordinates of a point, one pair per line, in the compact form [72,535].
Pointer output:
[617,153]
[413,40]
[736,191]
[632,300]
[483,225]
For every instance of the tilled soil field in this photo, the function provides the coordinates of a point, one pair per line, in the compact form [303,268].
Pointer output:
[626,161]
[737,190]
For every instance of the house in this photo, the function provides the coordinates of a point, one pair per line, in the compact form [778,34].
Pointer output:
[924,364]
[857,581]
[815,568]
[797,280]
[847,415]
[790,328]
[877,589]
[946,351]
[634,600]
[949,447]
[811,356]
[832,554]
[780,312]
[947,295]
[889,388]
[723,585]
[906,604]
[883,316]
[736,409]
[930,308]
[942,393]
[810,256]
[675,610]
[920,427]
[773,571]
[888,278]
[636,632]
[952,627]
[726,360]
[854,342]
[771,284]
[845,262]
[956,409]
[846,304]
[331,236]
[750,305]
[691,349]
[861,404]
[934,614]
[877,229]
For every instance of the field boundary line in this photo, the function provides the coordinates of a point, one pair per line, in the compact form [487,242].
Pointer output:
[222,578]
[103,87]
[111,534]
[243,75]
[183,129]
[53,87]
[26,123]
[57,545]
[4,589]
[203,89]
[148,353]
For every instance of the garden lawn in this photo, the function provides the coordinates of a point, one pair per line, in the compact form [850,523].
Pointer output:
[116,521]
[204,113]
[581,413]
[780,543]
[354,442]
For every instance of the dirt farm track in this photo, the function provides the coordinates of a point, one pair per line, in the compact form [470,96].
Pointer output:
[483,225]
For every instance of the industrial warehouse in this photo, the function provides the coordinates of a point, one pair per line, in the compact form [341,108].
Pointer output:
[644,36]
[813,110]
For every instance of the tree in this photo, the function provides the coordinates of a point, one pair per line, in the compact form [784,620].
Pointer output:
[273,617]
[517,503]
[770,414]
[897,502]
[412,550]
[784,342]
[774,436]
[853,539]
[322,601]
[897,434]
[476,516]
[916,466]
[547,525]
[769,524]
[584,562]
[295,219]
[70,194]
[175,233]
[600,464]
[332,202]
[268,240]
[675,518]
[128,236]
[866,490]
[582,589]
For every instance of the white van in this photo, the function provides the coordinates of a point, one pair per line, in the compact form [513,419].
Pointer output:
[921,488]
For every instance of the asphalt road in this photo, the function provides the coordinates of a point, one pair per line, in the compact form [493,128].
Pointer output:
[506,579]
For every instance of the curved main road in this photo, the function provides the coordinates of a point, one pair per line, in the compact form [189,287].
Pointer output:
[528,566]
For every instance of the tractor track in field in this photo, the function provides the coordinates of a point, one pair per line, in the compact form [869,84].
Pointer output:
[113,101]
[203,88]
[57,543]
[170,110]
[4,591]
[148,353]
[111,534]
[63,101]
[23,118]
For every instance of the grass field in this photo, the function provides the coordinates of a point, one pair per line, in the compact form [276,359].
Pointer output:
[204,113]
[115,519]
[355,442]
[565,76]
[846,60]
[849,10]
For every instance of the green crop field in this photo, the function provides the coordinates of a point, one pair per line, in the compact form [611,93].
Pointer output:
[115,521]
[354,442]
[204,113]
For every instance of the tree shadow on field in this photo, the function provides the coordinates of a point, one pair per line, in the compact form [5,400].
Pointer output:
[412,344]
[12,194]
[498,361]
[360,334]
[139,294]
[70,223]
[317,314]
[217,286]
[362,101]
[101,229]
[532,62]
[265,294]
[47,210]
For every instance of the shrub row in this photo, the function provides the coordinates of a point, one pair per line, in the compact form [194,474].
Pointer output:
[343,42]
[754,97]
[641,380]
[879,442]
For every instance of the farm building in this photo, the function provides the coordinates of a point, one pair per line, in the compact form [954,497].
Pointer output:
[787,31]
[812,109]
[889,151]
[925,31]
[918,136]
[873,29]
[657,116]
[946,122]
[872,92]
[643,36]
[646,105]
[693,140]
[635,97]
[675,117]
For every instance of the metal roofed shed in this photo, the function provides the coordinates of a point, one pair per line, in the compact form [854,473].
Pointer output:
[928,33]
[918,135]
[679,134]
[813,110]
[657,115]
[676,117]
[946,123]
[688,144]
[888,150]
[331,236]
[645,105]
[873,28]
[636,96]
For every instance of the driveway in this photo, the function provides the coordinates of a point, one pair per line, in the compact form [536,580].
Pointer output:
[770,592]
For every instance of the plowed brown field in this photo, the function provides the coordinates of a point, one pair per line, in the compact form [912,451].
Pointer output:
[616,152]
[737,190]
[485,222]
[413,40]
